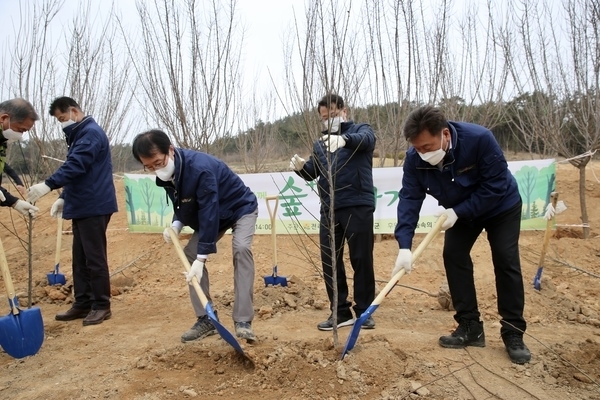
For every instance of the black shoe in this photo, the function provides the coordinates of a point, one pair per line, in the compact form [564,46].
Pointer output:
[243,330]
[468,333]
[201,329]
[345,319]
[96,317]
[72,314]
[517,351]
[369,323]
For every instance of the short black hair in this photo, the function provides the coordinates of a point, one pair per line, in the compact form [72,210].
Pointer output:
[329,99]
[147,144]
[424,118]
[19,110]
[63,104]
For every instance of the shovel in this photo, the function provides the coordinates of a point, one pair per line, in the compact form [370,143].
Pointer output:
[55,277]
[537,280]
[274,280]
[21,331]
[225,334]
[390,285]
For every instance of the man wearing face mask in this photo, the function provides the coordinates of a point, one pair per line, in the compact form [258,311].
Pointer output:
[89,200]
[346,148]
[16,116]
[462,166]
[210,198]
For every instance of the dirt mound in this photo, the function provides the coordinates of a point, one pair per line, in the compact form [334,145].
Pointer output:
[137,354]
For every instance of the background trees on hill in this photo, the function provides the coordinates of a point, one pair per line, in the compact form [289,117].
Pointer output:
[528,69]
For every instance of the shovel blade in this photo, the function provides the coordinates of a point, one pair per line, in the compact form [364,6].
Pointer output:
[225,334]
[56,278]
[22,334]
[275,280]
[537,280]
[353,337]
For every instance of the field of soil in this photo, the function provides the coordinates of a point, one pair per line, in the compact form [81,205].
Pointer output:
[137,354]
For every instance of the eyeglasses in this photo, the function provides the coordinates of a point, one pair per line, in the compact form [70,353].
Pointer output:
[157,164]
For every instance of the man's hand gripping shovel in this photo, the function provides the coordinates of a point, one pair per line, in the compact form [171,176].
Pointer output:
[353,337]
[225,334]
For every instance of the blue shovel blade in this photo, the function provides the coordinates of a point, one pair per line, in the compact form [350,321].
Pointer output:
[353,337]
[537,280]
[225,334]
[56,278]
[22,335]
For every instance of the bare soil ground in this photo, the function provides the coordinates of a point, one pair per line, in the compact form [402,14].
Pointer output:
[137,354]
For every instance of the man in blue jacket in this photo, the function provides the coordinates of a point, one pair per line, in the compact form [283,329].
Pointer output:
[89,199]
[210,198]
[462,166]
[346,149]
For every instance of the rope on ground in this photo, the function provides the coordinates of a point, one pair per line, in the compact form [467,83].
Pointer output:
[498,376]
[435,380]
[553,352]
[556,260]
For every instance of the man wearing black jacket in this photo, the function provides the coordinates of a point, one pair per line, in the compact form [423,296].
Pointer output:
[345,149]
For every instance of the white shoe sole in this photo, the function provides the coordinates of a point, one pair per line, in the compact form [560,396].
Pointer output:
[350,322]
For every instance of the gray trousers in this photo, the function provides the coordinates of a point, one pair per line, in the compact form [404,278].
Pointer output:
[243,269]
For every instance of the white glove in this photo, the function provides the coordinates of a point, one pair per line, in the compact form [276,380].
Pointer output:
[404,260]
[57,208]
[196,271]
[450,221]
[297,163]
[177,226]
[37,191]
[333,142]
[25,208]
[2,197]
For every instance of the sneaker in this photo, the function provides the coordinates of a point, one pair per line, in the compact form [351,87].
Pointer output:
[517,351]
[468,333]
[342,320]
[201,329]
[243,330]
[368,324]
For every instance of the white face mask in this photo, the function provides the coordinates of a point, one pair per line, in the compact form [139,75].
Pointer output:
[436,156]
[10,135]
[333,124]
[67,123]
[166,173]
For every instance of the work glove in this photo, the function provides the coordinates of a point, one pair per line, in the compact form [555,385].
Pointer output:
[196,271]
[333,142]
[37,191]
[2,197]
[177,226]
[57,208]
[404,260]
[450,221]
[297,163]
[25,208]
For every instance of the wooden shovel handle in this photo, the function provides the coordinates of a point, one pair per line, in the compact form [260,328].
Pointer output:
[8,283]
[186,265]
[273,215]
[548,233]
[437,227]
[59,230]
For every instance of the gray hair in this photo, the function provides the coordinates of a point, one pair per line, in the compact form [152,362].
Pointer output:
[19,110]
